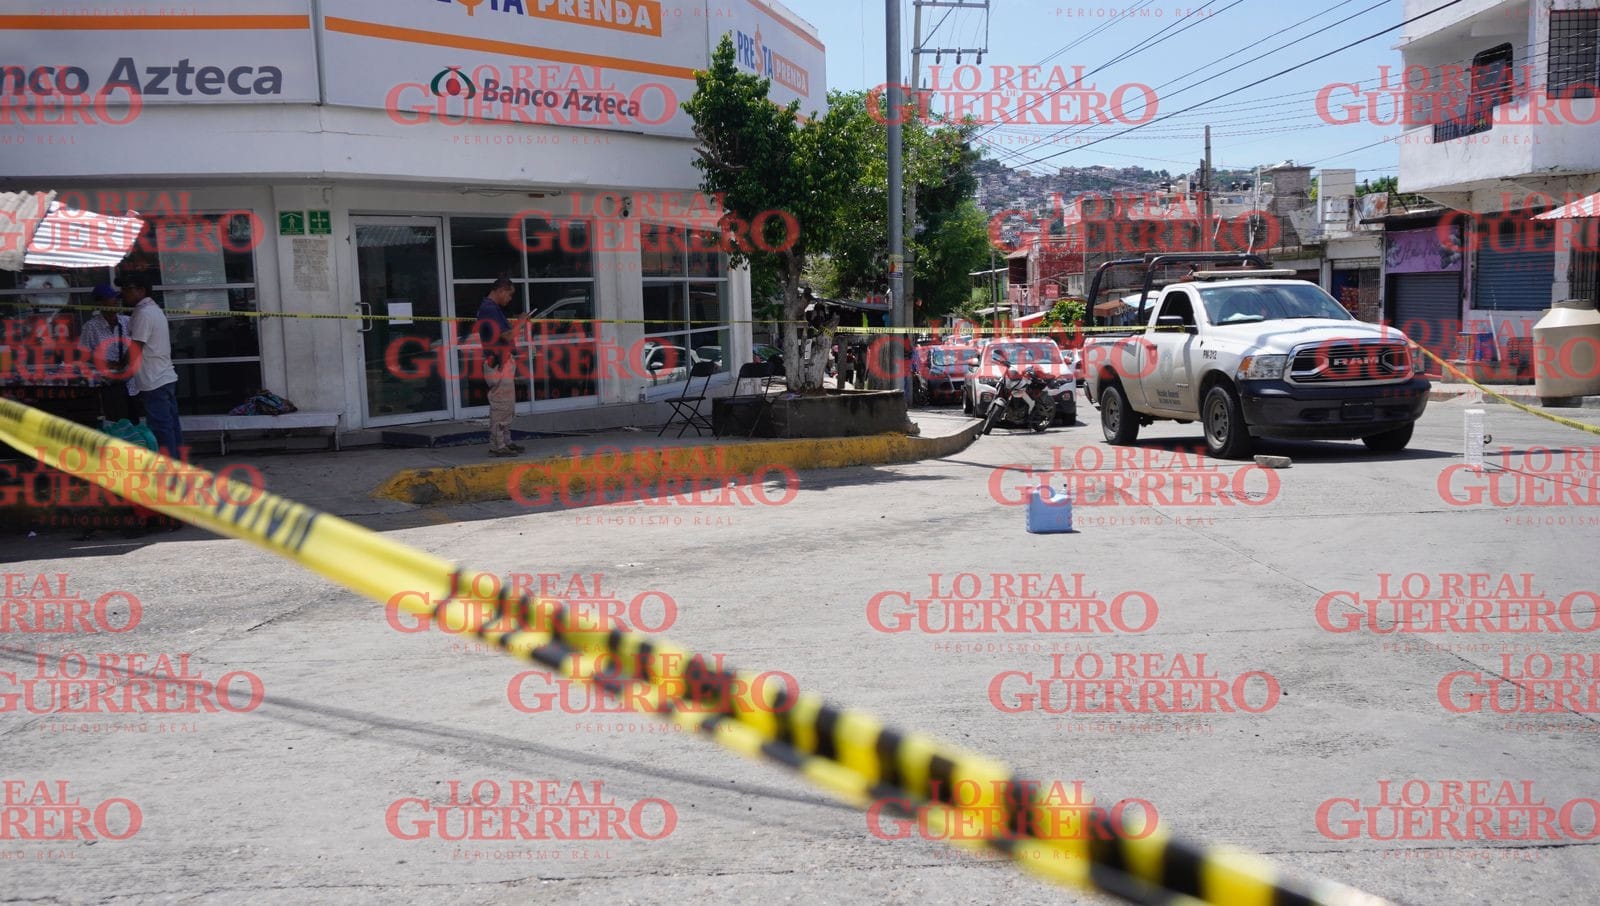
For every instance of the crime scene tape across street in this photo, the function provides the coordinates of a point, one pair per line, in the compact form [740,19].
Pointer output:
[1003,330]
[1548,416]
[847,753]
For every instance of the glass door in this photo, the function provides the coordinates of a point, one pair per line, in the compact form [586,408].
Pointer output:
[400,277]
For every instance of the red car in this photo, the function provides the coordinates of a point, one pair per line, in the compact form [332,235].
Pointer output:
[940,371]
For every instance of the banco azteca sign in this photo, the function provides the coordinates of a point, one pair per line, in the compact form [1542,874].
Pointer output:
[129,79]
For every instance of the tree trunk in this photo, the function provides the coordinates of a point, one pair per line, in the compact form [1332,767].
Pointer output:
[804,357]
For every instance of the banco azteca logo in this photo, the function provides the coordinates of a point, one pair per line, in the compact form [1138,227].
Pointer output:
[452,82]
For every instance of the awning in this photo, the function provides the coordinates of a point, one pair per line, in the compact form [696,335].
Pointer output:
[1029,319]
[62,237]
[1583,207]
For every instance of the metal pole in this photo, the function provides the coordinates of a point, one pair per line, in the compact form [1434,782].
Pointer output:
[911,185]
[1205,186]
[897,198]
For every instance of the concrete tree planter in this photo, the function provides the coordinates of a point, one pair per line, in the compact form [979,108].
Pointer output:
[848,413]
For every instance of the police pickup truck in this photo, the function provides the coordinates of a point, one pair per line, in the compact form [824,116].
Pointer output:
[1248,353]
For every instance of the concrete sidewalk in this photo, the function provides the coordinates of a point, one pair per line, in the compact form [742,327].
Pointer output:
[1522,393]
[401,487]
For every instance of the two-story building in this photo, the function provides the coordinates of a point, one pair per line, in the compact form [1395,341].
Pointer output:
[1504,128]
[331,186]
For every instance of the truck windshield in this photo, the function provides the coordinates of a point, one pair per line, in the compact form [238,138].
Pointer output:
[1269,302]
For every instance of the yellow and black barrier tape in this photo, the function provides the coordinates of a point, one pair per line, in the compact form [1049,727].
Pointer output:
[847,753]
[925,330]
[1548,416]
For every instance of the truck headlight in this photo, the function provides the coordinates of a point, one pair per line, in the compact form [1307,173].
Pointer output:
[1263,367]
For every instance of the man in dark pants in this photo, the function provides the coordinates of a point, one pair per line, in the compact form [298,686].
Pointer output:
[105,336]
[157,380]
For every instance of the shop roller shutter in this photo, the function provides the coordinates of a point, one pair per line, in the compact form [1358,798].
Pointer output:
[1428,310]
[1514,281]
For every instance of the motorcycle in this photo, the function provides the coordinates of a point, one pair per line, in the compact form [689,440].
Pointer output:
[1021,399]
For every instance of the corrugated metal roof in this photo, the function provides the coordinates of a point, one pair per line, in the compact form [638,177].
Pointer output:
[19,215]
[1583,207]
[72,238]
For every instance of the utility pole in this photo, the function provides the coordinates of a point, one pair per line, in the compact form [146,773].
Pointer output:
[1205,188]
[917,51]
[897,247]
[910,281]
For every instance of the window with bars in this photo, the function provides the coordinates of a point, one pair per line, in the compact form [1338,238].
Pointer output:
[1471,112]
[1583,275]
[1574,53]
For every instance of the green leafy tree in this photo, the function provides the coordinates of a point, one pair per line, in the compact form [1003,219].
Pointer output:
[1388,185]
[949,239]
[1065,313]
[761,158]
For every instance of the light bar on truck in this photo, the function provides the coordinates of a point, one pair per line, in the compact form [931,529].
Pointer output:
[1245,273]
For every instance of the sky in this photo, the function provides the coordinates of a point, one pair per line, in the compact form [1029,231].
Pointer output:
[1204,51]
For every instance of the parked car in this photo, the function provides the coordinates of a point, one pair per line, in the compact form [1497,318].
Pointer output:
[940,372]
[1002,355]
[664,364]
[770,354]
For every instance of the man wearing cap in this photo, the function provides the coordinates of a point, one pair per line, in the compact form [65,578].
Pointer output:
[156,380]
[105,336]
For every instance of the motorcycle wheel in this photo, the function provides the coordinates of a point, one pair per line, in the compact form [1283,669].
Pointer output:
[992,419]
[1044,414]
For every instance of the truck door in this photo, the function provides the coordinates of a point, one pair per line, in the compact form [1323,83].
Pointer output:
[1170,389]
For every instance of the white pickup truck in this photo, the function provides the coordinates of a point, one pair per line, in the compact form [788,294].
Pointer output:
[1249,354]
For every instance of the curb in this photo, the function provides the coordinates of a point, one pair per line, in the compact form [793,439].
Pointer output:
[483,482]
[1580,402]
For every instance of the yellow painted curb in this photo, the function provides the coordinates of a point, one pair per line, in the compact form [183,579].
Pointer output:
[612,467]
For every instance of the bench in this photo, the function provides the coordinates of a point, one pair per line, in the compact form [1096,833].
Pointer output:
[222,424]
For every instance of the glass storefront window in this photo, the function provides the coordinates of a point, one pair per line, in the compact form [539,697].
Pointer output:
[202,265]
[554,278]
[685,303]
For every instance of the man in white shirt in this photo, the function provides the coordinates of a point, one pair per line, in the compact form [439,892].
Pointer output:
[105,336]
[156,380]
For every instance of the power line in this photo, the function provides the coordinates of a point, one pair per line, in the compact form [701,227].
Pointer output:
[1259,56]
[1140,49]
[1282,72]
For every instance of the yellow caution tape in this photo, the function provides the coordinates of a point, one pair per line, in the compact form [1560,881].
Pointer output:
[847,753]
[1560,420]
[1003,330]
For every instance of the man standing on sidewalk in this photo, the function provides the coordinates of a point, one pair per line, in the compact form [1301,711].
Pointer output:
[105,337]
[499,342]
[156,380]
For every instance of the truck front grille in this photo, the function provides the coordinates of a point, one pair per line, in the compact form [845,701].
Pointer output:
[1340,363]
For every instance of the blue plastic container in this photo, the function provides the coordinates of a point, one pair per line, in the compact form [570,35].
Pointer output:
[1049,511]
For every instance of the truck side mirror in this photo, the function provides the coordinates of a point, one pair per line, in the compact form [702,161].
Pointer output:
[1176,321]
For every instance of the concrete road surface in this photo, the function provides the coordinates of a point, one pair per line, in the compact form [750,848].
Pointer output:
[364,764]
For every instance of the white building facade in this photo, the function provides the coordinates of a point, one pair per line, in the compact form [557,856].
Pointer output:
[1510,129]
[332,185]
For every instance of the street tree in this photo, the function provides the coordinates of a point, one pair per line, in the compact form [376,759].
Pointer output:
[787,179]
[949,239]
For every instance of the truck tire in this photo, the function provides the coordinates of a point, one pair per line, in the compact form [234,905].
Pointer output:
[966,403]
[1227,436]
[1392,441]
[1118,421]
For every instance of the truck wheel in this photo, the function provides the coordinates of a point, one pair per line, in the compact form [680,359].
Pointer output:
[1227,436]
[1117,419]
[966,403]
[1390,441]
